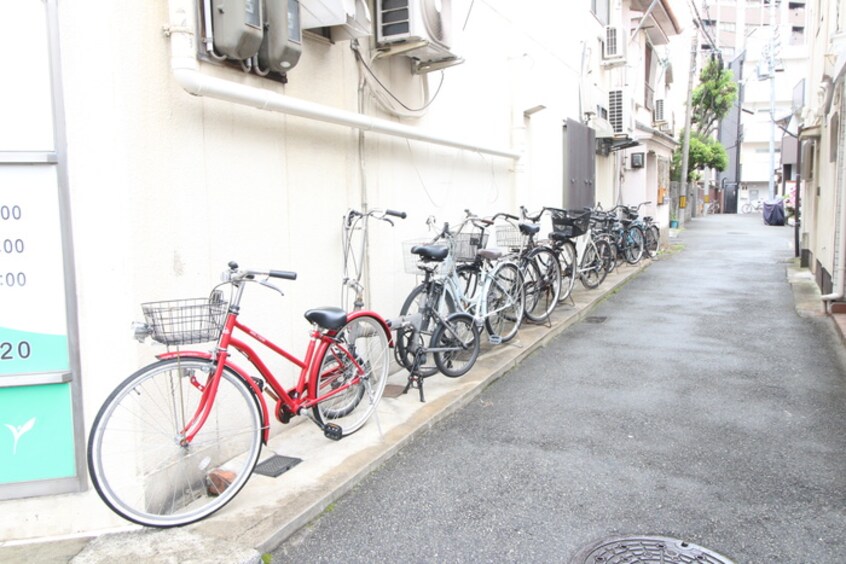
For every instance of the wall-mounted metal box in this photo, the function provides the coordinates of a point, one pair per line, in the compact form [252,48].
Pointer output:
[282,45]
[237,27]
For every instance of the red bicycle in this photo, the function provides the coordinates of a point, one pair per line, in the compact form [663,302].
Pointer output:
[178,439]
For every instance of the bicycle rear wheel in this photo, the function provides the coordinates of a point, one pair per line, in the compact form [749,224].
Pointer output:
[456,344]
[543,284]
[352,375]
[136,456]
[505,302]
[417,302]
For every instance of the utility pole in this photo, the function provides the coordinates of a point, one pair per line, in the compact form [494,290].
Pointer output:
[687,120]
[771,66]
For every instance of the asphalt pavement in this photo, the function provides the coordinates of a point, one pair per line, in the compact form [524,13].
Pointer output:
[696,404]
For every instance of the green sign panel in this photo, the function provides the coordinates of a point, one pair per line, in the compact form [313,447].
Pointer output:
[36,433]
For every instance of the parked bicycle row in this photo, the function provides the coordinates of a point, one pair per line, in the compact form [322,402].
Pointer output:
[467,285]
[179,438]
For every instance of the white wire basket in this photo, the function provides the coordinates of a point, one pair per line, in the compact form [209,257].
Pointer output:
[509,237]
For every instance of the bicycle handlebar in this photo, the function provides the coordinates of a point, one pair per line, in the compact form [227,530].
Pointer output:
[235,274]
[399,214]
[506,216]
[377,213]
[285,274]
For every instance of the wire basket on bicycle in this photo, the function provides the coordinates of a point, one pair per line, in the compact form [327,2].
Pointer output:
[509,236]
[467,245]
[570,224]
[185,322]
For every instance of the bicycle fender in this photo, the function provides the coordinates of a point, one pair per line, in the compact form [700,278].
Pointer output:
[377,317]
[241,373]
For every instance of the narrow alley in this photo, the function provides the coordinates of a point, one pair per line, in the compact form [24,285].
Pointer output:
[694,404]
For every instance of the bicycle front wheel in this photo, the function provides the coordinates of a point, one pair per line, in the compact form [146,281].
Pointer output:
[567,261]
[505,302]
[652,240]
[592,271]
[543,285]
[352,375]
[456,345]
[634,244]
[137,458]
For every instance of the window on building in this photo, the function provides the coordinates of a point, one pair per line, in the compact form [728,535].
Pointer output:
[797,36]
[600,9]
[834,132]
[650,65]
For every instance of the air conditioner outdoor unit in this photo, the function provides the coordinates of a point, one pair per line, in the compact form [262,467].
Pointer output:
[614,47]
[658,112]
[619,112]
[420,29]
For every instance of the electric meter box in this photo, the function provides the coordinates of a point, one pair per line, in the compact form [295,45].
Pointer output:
[282,45]
[237,27]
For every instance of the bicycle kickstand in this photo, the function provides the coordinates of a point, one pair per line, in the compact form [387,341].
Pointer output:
[415,380]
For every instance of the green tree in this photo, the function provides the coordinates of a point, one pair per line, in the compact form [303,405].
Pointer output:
[705,152]
[713,97]
[711,100]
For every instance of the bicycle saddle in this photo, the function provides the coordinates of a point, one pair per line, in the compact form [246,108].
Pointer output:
[529,228]
[430,252]
[327,317]
[490,254]
[564,235]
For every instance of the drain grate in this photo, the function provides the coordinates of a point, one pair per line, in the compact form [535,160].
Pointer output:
[595,319]
[644,549]
[276,465]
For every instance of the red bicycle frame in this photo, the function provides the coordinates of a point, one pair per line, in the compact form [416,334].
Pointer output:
[303,395]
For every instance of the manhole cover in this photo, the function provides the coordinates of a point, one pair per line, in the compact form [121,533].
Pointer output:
[638,549]
[595,319]
[276,465]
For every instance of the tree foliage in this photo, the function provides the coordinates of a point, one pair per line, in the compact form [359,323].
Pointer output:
[705,152]
[713,97]
[711,101]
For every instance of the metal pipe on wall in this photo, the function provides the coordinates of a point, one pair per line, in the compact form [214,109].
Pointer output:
[185,68]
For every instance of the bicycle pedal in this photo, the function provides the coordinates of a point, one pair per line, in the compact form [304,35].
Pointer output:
[333,431]
[495,339]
